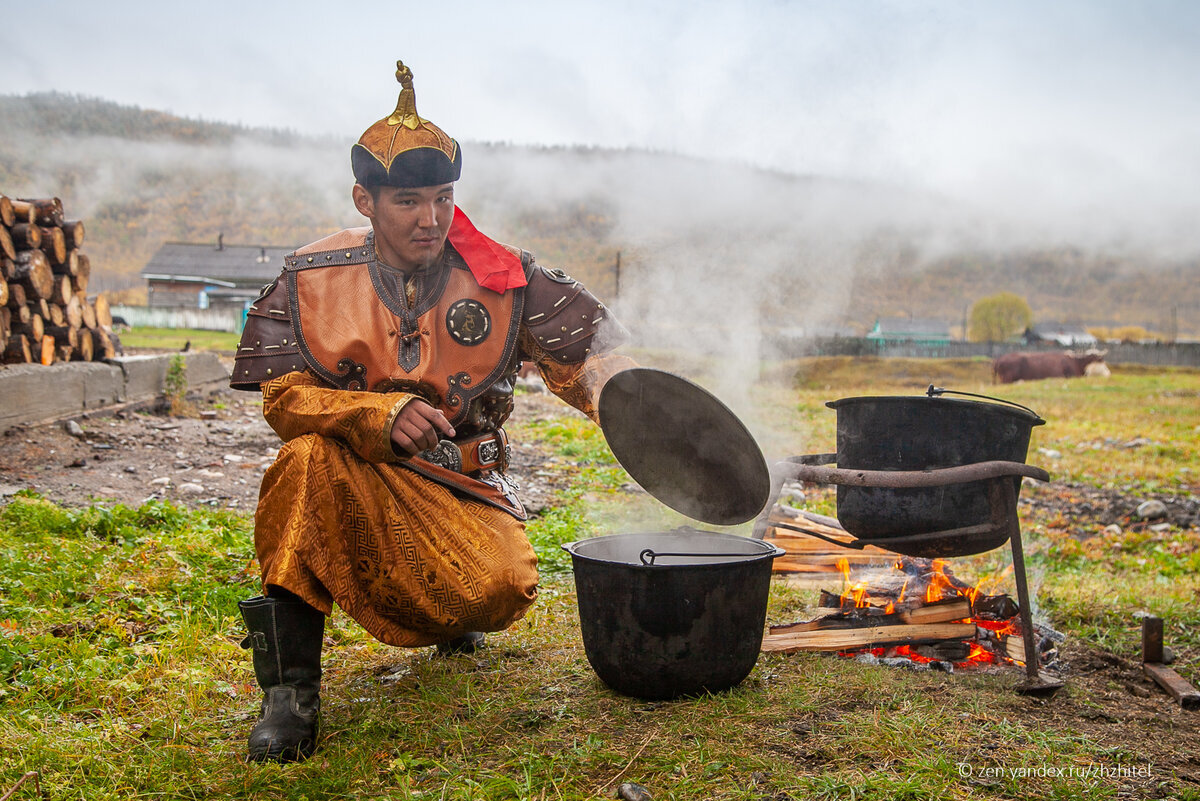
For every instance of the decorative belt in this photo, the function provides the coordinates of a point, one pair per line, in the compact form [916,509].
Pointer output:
[471,454]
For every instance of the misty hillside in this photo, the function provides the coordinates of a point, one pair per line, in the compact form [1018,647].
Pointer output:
[711,253]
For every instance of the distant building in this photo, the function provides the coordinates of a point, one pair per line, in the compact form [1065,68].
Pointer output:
[909,331]
[1069,335]
[205,276]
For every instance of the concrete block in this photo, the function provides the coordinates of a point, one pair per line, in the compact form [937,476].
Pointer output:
[143,376]
[34,393]
[204,369]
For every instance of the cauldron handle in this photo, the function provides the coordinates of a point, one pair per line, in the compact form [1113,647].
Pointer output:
[648,555]
[932,391]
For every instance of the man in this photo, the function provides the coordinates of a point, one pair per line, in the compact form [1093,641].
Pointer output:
[386,357]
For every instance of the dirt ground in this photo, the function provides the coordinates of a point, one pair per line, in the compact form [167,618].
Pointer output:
[213,457]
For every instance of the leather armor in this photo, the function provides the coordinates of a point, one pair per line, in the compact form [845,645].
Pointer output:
[350,331]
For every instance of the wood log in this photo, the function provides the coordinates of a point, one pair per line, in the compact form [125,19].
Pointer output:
[17,297]
[24,211]
[7,215]
[26,236]
[40,306]
[865,637]
[47,354]
[4,295]
[32,270]
[68,267]
[58,315]
[34,328]
[8,248]
[17,304]
[79,283]
[7,268]
[103,313]
[63,334]
[84,351]
[17,351]
[47,211]
[73,231]
[5,317]
[62,291]
[73,311]
[102,346]
[937,612]
[54,244]
[86,312]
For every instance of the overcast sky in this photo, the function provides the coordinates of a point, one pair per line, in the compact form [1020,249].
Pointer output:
[1076,107]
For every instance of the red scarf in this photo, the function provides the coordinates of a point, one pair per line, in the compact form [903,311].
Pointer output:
[493,265]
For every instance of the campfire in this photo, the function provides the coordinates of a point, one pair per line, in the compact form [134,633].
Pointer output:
[900,610]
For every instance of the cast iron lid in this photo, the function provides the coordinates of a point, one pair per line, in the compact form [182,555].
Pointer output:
[684,447]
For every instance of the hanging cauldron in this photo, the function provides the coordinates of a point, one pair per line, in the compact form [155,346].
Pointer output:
[928,433]
[673,613]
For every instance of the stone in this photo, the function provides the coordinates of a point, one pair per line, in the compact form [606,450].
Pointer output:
[630,791]
[160,482]
[209,474]
[1113,529]
[1050,453]
[74,429]
[191,488]
[232,457]
[1151,510]
[208,414]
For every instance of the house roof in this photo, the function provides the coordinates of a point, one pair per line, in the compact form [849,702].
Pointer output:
[913,327]
[1063,333]
[236,264]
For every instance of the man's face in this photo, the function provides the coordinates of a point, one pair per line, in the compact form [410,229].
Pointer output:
[410,224]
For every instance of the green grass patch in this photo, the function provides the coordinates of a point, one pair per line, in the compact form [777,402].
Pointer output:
[176,338]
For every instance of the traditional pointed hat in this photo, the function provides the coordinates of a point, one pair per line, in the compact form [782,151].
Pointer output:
[403,149]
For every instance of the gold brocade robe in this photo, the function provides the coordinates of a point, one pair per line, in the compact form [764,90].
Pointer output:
[341,518]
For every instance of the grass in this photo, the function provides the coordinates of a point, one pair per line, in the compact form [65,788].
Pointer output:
[121,678]
[174,339]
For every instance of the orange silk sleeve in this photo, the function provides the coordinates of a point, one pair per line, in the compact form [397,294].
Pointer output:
[299,403]
[578,384]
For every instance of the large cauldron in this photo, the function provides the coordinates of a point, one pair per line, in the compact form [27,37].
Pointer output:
[919,433]
[672,613]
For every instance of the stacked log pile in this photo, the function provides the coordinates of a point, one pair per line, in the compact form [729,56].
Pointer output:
[45,314]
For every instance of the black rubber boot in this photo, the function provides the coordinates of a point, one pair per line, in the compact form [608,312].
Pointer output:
[285,638]
[466,644]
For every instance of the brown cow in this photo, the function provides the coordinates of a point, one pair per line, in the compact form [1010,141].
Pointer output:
[1051,364]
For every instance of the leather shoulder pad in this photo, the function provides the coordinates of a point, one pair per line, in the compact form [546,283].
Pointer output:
[268,346]
[564,318]
[352,246]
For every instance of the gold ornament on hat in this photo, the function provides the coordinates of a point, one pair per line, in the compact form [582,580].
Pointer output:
[406,106]
[405,149]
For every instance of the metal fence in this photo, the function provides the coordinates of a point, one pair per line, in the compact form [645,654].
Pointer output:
[201,319]
[1167,354]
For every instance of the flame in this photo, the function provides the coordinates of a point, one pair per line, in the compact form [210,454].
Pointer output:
[939,585]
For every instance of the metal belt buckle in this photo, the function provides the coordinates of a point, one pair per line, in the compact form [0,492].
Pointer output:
[444,454]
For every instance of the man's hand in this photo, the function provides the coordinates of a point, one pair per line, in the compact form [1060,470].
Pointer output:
[418,428]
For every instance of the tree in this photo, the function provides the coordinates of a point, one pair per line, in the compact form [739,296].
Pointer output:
[998,317]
